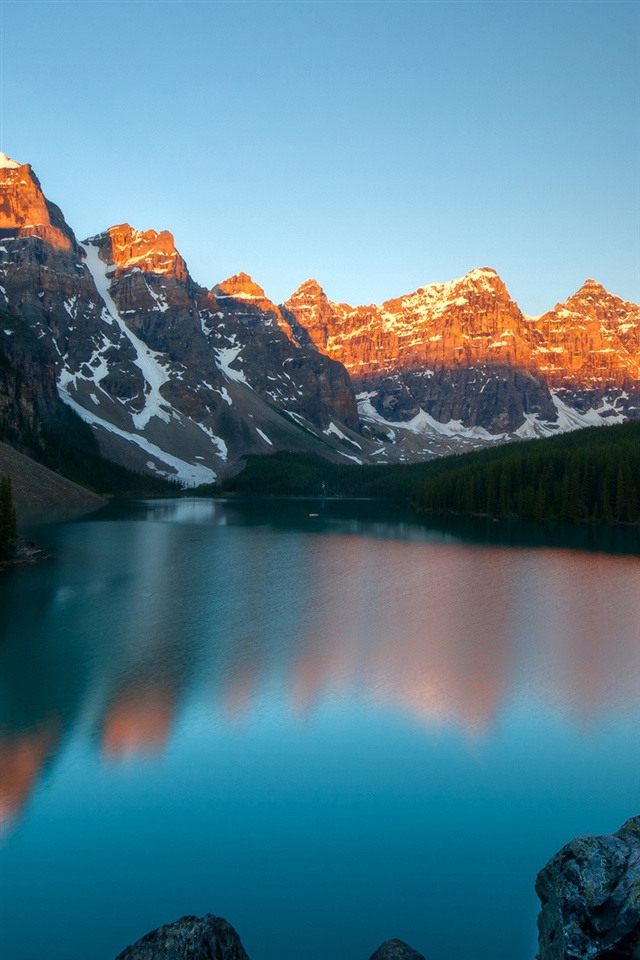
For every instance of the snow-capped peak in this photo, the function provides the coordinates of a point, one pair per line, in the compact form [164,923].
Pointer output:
[6,163]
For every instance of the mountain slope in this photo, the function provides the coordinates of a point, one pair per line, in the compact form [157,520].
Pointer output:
[183,381]
[137,354]
[464,351]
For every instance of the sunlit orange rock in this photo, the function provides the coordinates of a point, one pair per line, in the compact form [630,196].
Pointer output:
[24,210]
[245,296]
[467,336]
[148,251]
[593,338]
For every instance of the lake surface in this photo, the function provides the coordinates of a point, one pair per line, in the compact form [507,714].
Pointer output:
[331,729]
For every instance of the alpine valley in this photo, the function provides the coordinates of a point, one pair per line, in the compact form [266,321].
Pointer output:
[182,381]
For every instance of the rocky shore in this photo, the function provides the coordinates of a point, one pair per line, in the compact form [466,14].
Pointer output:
[589,891]
[27,553]
[590,896]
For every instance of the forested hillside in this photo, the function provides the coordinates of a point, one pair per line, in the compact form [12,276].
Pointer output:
[7,520]
[590,475]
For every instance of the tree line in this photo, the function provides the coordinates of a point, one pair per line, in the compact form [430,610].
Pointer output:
[587,478]
[8,530]
[591,475]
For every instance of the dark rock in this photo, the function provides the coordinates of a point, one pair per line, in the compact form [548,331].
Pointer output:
[493,397]
[190,938]
[590,895]
[396,950]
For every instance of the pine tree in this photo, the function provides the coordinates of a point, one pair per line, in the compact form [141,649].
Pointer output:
[7,519]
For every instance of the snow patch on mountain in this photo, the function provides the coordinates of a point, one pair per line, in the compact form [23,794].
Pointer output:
[424,423]
[190,473]
[224,357]
[332,429]
[147,360]
[570,419]
[161,301]
[6,163]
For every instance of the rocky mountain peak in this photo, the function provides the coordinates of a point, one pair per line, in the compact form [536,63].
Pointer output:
[24,210]
[591,290]
[590,284]
[480,281]
[309,290]
[594,301]
[240,287]
[146,251]
[309,299]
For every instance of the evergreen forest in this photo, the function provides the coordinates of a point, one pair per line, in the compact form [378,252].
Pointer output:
[591,475]
[7,520]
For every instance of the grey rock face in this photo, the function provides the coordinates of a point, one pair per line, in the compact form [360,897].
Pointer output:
[190,938]
[396,950]
[590,895]
[494,397]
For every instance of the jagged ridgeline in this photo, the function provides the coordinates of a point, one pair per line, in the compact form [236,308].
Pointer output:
[591,475]
[180,381]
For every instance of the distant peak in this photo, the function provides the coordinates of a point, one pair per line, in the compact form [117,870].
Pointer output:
[482,274]
[592,285]
[6,163]
[141,236]
[240,287]
[147,250]
[310,288]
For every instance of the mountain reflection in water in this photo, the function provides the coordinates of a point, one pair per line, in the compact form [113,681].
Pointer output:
[116,641]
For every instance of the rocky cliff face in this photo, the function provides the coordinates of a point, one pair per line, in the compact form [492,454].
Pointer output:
[296,376]
[172,379]
[28,393]
[24,210]
[590,344]
[464,351]
[590,896]
[183,380]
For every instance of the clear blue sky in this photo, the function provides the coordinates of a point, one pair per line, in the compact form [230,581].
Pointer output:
[377,146]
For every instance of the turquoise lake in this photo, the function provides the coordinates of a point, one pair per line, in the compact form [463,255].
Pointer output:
[329,723]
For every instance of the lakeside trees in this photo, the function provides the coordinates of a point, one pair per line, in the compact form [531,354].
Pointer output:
[590,475]
[7,520]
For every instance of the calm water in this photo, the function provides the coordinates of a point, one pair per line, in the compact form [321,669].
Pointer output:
[330,730]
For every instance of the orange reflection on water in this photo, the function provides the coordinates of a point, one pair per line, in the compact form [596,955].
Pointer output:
[21,759]
[137,721]
[586,654]
[399,628]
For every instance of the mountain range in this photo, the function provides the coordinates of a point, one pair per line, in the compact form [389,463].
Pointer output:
[182,381]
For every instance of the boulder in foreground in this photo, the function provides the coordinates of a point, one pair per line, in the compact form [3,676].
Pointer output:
[590,895]
[190,938]
[396,950]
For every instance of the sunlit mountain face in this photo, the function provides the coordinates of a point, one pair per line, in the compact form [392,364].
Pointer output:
[182,380]
[464,352]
